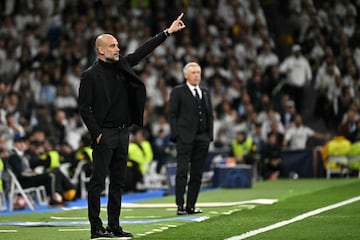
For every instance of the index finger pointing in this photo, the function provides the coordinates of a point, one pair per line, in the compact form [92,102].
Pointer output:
[180,16]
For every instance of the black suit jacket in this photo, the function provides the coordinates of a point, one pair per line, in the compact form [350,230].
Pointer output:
[94,95]
[183,115]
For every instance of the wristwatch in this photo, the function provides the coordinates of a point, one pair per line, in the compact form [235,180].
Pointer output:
[166,31]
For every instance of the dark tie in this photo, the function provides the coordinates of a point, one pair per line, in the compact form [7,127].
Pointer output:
[197,94]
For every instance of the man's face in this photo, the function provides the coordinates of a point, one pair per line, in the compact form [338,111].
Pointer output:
[111,50]
[193,75]
[108,48]
[240,137]
[21,145]
[298,120]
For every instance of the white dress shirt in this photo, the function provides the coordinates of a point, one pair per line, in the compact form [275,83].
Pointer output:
[192,89]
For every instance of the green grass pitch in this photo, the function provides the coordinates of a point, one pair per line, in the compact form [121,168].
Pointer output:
[223,216]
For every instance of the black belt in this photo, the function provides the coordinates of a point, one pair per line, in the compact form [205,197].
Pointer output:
[120,126]
[124,125]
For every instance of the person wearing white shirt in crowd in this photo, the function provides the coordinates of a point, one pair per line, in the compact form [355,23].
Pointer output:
[325,79]
[267,57]
[271,117]
[326,74]
[297,135]
[298,75]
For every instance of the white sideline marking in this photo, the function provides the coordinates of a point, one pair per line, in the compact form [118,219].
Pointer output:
[295,219]
[128,206]
[73,229]
[67,218]
[172,225]
[8,231]
[204,204]
[141,217]
[201,219]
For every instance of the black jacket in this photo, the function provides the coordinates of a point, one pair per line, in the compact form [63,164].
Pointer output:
[183,115]
[94,98]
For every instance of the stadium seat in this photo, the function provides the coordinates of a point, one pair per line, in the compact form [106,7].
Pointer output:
[79,178]
[30,195]
[152,179]
[2,201]
[354,163]
[337,165]
[83,181]
[76,176]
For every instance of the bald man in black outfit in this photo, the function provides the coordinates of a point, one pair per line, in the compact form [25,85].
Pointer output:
[112,98]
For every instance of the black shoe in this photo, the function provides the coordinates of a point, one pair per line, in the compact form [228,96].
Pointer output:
[55,204]
[101,233]
[181,210]
[193,210]
[119,232]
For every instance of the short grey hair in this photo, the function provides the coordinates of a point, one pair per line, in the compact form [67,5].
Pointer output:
[190,64]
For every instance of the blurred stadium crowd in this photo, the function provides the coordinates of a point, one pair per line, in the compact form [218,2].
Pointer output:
[259,57]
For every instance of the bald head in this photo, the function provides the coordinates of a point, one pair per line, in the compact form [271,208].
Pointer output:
[107,48]
[102,39]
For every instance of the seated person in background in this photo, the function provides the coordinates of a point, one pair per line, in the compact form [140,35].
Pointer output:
[337,146]
[3,155]
[242,148]
[162,149]
[140,155]
[49,158]
[20,165]
[271,158]
[83,153]
[66,152]
[274,129]
[288,114]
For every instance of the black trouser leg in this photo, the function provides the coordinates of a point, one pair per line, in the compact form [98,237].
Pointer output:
[118,166]
[197,161]
[194,154]
[46,179]
[111,153]
[101,159]
[183,159]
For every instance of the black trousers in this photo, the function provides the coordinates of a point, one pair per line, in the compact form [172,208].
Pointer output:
[193,156]
[46,179]
[109,159]
[62,182]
